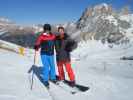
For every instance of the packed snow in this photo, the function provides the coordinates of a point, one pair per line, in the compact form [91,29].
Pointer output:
[95,65]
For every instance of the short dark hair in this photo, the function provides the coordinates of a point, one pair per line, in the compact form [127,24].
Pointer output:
[47,27]
[61,27]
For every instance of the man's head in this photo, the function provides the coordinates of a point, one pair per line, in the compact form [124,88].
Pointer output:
[47,28]
[61,29]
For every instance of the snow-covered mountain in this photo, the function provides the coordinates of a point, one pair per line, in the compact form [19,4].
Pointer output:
[102,28]
[6,24]
[5,20]
[18,34]
[11,26]
[102,22]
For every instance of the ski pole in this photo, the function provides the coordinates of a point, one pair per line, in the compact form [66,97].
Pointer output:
[35,57]
[32,81]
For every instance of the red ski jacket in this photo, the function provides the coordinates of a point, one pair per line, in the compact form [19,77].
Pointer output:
[46,43]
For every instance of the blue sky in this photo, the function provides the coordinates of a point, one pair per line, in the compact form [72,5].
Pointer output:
[50,11]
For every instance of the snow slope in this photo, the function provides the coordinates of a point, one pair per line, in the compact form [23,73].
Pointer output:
[108,77]
[97,50]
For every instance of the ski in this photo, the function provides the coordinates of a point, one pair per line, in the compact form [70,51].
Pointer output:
[64,87]
[78,87]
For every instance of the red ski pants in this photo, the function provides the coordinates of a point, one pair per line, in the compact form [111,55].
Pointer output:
[68,69]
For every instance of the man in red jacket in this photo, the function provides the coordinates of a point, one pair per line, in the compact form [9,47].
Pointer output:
[46,41]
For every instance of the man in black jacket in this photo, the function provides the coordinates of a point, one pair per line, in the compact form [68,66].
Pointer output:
[63,45]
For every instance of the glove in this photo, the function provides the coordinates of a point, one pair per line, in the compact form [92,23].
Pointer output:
[36,47]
